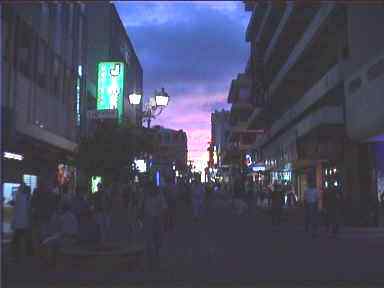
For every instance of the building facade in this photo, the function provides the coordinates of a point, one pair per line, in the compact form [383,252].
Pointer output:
[109,41]
[220,132]
[316,75]
[42,59]
[171,157]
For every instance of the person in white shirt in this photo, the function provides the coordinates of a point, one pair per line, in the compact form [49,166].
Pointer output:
[21,222]
[311,197]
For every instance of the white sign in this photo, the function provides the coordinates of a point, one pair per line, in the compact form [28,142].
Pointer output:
[258,168]
[13,156]
[141,165]
[102,114]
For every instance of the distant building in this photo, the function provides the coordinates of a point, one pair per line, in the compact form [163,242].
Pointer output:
[172,153]
[220,130]
[109,41]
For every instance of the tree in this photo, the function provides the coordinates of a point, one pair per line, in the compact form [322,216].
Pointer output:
[111,150]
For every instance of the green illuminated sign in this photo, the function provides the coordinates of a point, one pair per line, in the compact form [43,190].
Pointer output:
[94,181]
[110,87]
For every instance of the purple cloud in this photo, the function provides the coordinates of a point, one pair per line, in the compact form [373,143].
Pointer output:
[193,49]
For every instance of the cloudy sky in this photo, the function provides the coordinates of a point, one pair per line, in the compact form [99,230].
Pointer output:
[192,49]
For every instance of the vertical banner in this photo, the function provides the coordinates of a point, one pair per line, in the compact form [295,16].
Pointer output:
[110,87]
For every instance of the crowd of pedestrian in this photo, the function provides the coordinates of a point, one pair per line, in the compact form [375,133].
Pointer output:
[50,219]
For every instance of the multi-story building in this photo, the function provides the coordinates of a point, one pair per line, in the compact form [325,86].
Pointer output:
[109,41]
[219,134]
[316,72]
[171,155]
[42,60]
[241,137]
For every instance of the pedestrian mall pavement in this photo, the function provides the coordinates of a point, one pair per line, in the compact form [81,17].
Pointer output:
[225,247]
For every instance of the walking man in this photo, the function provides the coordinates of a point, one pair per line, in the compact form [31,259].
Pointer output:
[102,203]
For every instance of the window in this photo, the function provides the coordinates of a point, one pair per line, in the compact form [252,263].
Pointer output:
[7,40]
[65,19]
[55,72]
[24,48]
[376,70]
[71,11]
[41,63]
[354,85]
[67,89]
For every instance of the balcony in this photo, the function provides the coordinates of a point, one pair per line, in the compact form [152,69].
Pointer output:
[328,115]
[253,27]
[364,101]
[271,45]
[249,5]
[306,39]
[327,83]
[240,92]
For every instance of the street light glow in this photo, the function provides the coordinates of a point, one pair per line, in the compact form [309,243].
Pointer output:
[135,98]
[161,100]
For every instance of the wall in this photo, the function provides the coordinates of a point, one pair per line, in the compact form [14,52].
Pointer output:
[364,106]
[35,105]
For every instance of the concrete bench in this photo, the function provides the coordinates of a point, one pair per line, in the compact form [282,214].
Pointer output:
[119,258]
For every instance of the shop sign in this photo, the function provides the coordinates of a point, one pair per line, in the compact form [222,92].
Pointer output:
[110,86]
[13,156]
[102,114]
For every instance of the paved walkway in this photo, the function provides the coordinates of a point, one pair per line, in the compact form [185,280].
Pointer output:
[243,249]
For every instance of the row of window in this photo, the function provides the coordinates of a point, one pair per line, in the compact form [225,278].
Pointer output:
[169,138]
[26,51]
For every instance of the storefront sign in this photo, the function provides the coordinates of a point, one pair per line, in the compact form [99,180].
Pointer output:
[13,156]
[258,168]
[110,89]
[94,181]
[102,114]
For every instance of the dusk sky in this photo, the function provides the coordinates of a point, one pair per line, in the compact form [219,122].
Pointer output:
[193,50]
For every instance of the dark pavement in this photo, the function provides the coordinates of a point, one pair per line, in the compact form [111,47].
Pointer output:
[224,247]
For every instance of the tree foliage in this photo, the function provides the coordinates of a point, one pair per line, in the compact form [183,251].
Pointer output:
[113,148]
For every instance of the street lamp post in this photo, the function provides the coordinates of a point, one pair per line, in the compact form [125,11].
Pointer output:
[153,107]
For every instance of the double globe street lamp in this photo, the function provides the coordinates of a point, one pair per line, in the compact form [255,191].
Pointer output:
[153,107]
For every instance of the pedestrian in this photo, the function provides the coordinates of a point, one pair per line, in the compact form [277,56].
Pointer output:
[249,194]
[311,196]
[333,209]
[153,212]
[78,204]
[21,222]
[103,206]
[197,199]
[291,196]
[269,191]
[276,204]
[171,198]
[64,235]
